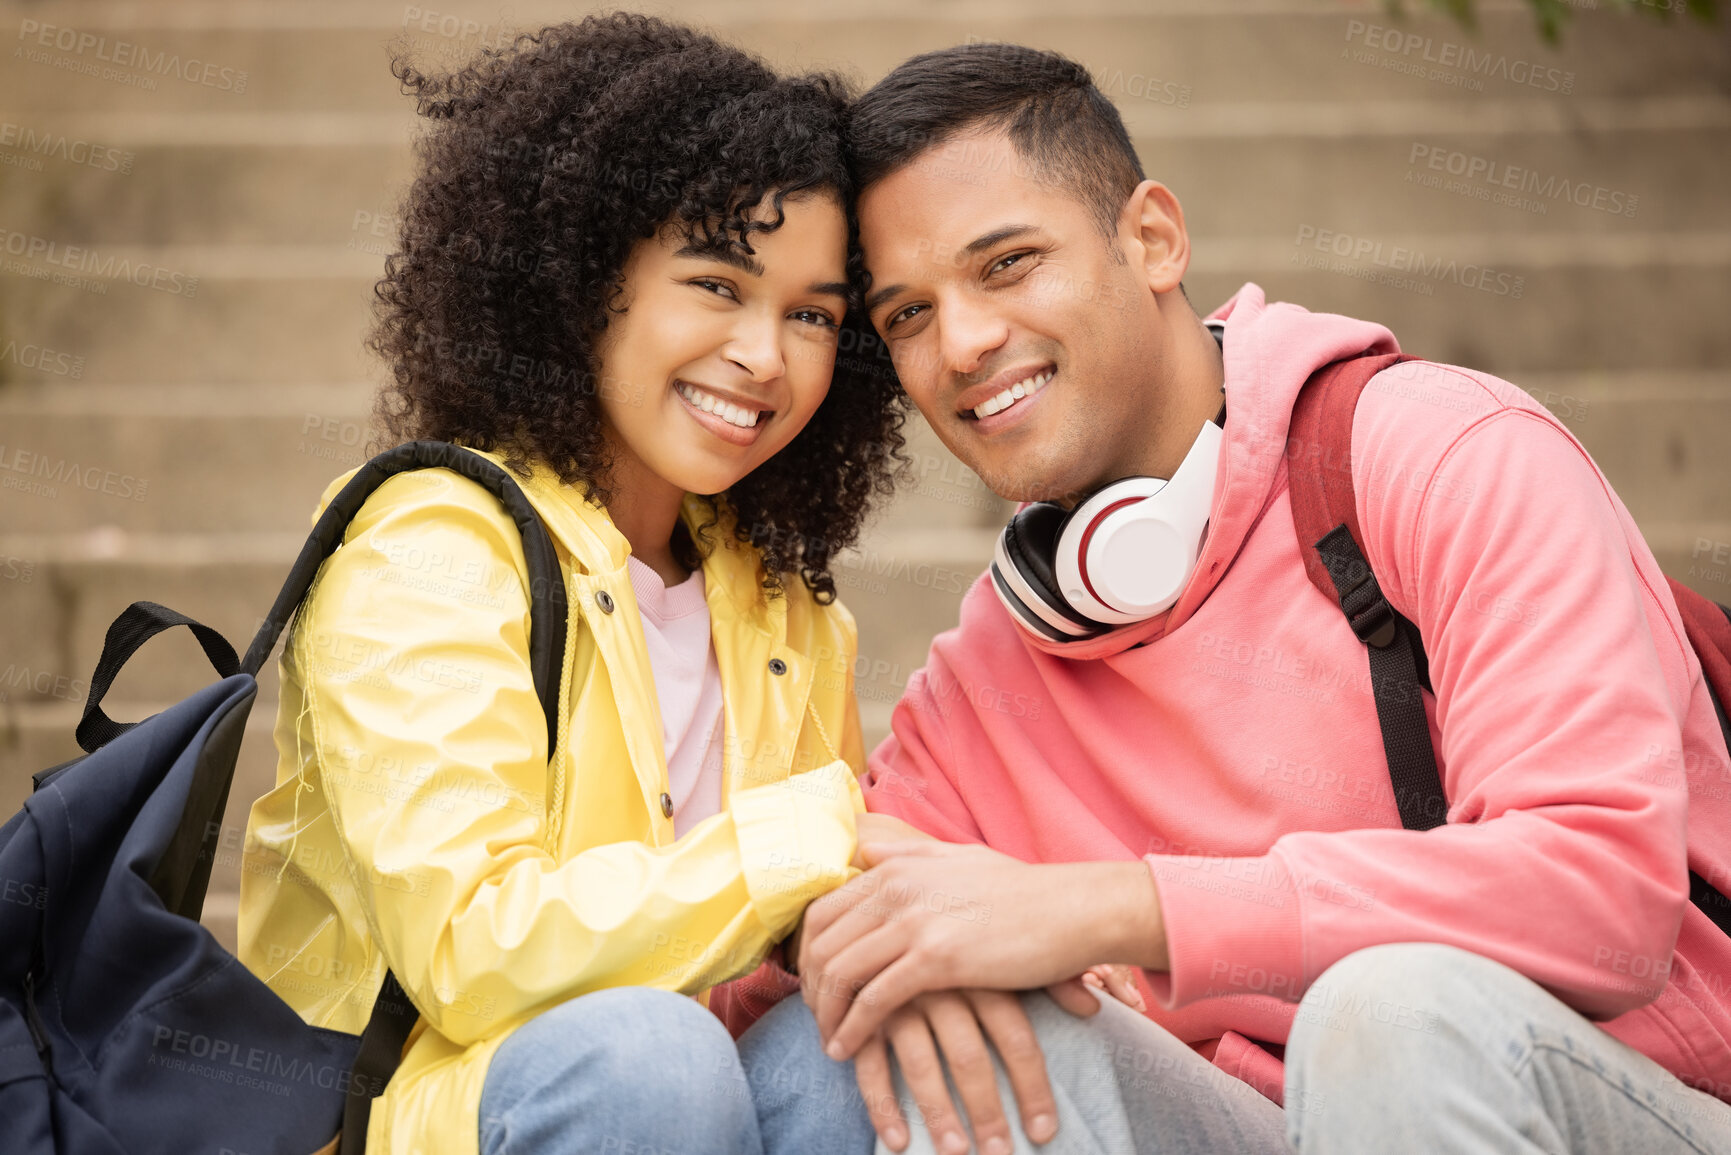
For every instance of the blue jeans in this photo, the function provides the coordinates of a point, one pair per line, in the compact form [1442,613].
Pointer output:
[1406,1047]
[638,1071]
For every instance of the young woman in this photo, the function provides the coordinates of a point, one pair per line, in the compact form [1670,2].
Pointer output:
[623,272]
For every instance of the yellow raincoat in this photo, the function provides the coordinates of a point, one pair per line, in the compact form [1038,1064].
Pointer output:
[417,821]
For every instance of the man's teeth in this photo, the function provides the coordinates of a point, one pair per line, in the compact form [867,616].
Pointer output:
[726,410]
[1013,394]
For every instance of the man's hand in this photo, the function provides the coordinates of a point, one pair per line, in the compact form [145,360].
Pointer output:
[880,829]
[930,916]
[954,1026]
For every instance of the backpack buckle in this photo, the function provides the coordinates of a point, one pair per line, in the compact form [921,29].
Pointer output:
[1375,625]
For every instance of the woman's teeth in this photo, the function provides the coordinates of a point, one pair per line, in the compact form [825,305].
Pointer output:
[726,410]
[1013,394]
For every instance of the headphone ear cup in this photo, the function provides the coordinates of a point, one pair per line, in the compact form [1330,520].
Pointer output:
[1030,542]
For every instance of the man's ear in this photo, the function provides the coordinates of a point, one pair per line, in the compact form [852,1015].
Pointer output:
[1151,229]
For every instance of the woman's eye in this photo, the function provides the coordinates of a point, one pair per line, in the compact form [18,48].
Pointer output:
[813,317]
[719,288]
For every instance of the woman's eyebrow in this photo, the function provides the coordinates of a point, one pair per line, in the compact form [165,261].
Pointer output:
[746,263]
[726,254]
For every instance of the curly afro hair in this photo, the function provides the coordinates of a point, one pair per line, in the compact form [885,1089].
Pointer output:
[546,162]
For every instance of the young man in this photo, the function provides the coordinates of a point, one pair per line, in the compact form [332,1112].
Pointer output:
[1202,789]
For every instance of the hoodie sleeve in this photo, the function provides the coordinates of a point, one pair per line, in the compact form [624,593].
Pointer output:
[1561,702]
[913,772]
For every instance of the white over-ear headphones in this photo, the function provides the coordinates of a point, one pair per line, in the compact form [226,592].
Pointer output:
[1123,555]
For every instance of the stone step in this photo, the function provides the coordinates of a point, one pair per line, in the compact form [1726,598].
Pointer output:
[87,57]
[1461,307]
[58,596]
[1485,183]
[281,315]
[1455,174]
[110,142]
[263,325]
[181,458]
[266,191]
[1659,438]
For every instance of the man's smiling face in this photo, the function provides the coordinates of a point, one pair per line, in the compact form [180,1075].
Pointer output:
[1032,344]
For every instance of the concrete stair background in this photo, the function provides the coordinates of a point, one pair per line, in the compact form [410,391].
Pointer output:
[205,425]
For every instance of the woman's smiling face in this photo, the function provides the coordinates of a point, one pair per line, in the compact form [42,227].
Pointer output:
[720,358]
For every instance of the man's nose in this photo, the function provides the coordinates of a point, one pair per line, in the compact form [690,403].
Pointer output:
[968,332]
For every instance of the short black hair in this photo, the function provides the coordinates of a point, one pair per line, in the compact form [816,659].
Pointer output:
[1059,121]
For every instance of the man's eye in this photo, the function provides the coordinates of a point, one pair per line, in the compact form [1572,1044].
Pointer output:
[1006,262]
[906,314]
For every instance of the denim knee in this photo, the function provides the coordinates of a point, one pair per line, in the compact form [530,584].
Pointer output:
[1392,1019]
[796,1087]
[653,1061]
[1389,996]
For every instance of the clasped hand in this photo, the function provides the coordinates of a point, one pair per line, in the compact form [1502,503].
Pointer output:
[921,954]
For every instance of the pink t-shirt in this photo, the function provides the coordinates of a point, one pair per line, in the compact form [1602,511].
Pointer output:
[688,686]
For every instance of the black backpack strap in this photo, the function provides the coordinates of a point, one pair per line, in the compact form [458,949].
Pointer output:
[380,1052]
[546,581]
[137,624]
[1325,514]
[1394,681]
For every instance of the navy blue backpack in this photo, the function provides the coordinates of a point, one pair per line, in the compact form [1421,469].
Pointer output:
[125,1029]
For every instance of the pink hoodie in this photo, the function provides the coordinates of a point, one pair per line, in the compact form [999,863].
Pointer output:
[1233,742]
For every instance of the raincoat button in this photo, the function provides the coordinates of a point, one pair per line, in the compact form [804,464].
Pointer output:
[667,806]
[605,601]
[777,667]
